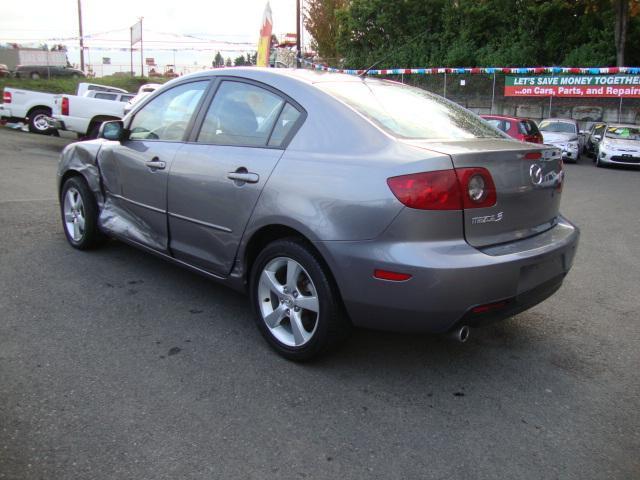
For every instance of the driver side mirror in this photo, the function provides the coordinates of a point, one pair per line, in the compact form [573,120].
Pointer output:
[112,130]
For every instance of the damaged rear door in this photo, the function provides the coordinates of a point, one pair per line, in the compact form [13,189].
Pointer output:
[135,171]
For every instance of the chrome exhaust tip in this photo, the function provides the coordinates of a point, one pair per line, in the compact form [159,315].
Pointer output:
[461,334]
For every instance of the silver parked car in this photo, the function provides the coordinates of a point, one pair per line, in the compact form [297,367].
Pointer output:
[618,144]
[333,200]
[564,134]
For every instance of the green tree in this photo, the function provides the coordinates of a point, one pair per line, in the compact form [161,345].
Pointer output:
[228,62]
[321,22]
[240,61]
[218,61]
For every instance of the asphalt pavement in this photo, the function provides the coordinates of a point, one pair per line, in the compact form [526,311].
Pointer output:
[117,365]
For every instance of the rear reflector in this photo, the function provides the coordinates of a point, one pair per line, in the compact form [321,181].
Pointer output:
[393,276]
[489,307]
[438,190]
[65,106]
[533,156]
[6,97]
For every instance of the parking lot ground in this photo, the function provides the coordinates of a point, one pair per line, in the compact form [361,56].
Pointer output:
[115,364]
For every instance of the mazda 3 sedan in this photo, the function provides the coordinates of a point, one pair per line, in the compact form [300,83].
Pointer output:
[333,200]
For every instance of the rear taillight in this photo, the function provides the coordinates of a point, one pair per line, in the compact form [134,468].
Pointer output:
[6,97]
[477,186]
[438,190]
[64,106]
[445,189]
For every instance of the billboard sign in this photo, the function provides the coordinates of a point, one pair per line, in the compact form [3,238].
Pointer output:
[136,32]
[587,86]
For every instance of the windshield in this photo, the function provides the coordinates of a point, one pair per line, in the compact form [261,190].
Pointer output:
[408,112]
[558,127]
[626,133]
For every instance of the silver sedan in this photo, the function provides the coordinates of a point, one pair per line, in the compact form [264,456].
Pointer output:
[332,200]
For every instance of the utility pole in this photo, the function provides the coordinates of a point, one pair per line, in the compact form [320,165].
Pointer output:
[141,51]
[81,38]
[298,21]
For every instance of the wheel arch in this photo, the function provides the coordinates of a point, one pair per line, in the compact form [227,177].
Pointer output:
[266,234]
[38,107]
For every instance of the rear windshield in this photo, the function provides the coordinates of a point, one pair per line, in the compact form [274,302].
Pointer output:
[558,127]
[627,133]
[529,127]
[408,112]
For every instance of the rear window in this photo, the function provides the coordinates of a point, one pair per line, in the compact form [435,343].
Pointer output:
[409,112]
[528,127]
[557,127]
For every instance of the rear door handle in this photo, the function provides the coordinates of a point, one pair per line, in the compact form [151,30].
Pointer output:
[243,177]
[155,164]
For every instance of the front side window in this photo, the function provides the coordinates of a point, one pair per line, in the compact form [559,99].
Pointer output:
[167,116]
[240,114]
[409,112]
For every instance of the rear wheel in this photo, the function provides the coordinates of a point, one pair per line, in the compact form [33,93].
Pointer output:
[79,212]
[38,121]
[297,306]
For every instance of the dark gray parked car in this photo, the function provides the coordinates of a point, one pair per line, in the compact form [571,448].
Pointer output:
[333,200]
[36,72]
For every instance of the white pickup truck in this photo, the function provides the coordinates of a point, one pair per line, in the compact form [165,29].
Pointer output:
[34,108]
[84,114]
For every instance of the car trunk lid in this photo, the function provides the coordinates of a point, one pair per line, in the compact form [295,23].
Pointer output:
[528,182]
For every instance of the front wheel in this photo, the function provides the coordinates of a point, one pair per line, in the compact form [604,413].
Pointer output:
[296,303]
[79,212]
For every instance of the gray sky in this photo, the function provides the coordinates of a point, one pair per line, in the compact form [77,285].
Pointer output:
[35,21]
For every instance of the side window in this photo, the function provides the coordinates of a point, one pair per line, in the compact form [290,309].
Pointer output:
[599,130]
[105,96]
[506,126]
[240,114]
[284,124]
[167,116]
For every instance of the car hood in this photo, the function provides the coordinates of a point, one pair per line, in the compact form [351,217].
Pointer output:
[622,144]
[557,137]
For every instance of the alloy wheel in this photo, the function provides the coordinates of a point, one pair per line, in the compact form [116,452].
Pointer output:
[74,215]
[288,301]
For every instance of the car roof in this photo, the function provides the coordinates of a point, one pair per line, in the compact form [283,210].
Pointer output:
[303,75]
[566,120]
[505,117]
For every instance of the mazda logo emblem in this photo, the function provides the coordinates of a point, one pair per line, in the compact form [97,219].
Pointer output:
[535,172]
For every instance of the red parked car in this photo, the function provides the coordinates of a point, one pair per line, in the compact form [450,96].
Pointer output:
[522,129]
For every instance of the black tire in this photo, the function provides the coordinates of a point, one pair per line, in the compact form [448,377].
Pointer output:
[36,123]
[91,236]
[332,324]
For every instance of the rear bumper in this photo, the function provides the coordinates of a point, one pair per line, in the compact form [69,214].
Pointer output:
[450,279]
[7,115]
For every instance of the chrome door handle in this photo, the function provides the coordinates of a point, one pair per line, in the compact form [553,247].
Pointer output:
[243,177]
[155,164]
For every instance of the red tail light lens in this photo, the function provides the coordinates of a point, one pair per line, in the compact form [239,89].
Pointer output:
[438,190]
[478,188]
[6,97]
[65,106]
[533,156]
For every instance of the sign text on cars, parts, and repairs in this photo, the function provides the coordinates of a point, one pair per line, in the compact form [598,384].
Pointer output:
[573,86]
